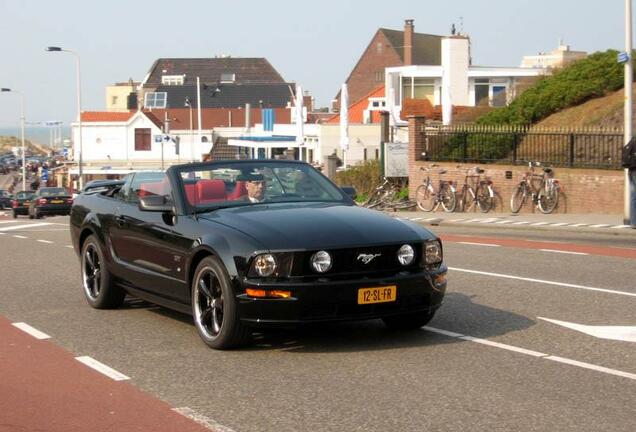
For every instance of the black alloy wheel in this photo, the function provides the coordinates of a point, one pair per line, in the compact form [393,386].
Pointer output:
[99,289]
[214,307]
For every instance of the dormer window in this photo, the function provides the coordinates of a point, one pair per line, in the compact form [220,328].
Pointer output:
[172,79]
[155,100]
[228,78]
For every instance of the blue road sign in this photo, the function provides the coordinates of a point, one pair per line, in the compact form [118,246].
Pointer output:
[45,175]
[622,57]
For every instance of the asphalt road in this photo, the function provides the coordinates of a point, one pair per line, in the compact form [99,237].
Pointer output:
[487,362]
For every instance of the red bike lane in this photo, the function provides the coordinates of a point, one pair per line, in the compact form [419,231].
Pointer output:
[44,388]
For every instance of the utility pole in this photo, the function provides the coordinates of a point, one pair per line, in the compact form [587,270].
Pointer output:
[629,74]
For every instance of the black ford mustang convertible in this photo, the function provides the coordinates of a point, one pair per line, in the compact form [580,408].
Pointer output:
[245,244]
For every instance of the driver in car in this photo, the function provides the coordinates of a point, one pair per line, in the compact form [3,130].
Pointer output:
[255,185]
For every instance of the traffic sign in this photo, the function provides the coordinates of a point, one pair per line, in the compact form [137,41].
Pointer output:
[622,57]
[45,175]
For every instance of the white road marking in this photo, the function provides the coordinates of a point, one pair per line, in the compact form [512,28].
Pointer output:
[16,227]
[520,223]
[19,236]
[619,333]
[531,353]
[102,368]
[202,420]
[562,284]
[559,224]
[69,246]
[620,226]
[45,241]
[32,331]
[479,244]
[472,220]
[538,224]
[1,233]
[563,252]
[456,220]
[488,220]
[600,226]
[9,221]
[504,221]
[579,225]
[417,219]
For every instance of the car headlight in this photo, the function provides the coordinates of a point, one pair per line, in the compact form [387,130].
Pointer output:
[433,252]
[321,261]
[406,255]
[265,265]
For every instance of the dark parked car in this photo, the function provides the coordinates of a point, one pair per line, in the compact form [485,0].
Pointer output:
[21,203]
[245,244]
[50,201]
[5,199]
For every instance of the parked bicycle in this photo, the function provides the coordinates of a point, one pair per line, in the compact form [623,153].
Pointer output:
[387,197]
[476,192]
[428,199]
[545,196]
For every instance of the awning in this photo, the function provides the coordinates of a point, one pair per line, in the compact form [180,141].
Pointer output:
[270,141]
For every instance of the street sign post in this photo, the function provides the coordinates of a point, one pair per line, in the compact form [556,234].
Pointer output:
[622,57]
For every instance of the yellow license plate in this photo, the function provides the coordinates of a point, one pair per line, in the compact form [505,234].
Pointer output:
[57,201]
[383,294]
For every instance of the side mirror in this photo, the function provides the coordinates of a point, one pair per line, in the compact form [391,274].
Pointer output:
[350,191]
[155,203]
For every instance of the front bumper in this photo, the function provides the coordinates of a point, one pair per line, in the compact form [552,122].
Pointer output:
[337,300]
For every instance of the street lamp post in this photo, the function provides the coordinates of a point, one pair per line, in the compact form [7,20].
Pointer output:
[22,133]
[79,110]
[189,105]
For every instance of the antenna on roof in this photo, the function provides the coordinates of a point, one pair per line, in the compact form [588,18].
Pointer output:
[453,31]
[461,25]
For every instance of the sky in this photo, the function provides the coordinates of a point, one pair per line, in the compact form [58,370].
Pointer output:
[313,43]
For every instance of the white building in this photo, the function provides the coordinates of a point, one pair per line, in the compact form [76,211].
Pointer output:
[553,59]
[456,82]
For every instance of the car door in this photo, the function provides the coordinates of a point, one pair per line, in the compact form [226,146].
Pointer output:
[149,244]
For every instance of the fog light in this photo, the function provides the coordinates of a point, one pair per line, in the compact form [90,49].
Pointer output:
[406,255]
[321,261]
[260,293]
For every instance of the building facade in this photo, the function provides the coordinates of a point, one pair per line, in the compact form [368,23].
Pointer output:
[553,59]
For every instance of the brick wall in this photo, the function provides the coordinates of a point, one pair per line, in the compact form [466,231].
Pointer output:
[584,190]
[362,79]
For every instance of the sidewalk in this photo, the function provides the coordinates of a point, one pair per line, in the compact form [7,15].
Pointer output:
[573,222]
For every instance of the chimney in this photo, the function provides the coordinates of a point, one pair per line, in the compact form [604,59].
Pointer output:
[408,42]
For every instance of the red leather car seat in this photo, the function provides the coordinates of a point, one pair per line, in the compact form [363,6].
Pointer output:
[239,191]
[191,193]
[210,191]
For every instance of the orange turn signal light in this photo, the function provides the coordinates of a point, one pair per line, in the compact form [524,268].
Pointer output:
[267,294]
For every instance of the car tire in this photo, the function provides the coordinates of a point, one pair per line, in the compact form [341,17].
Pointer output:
[99,289]
[214,307]
[411,321]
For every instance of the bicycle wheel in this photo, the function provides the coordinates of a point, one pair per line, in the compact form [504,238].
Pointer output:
[425,197]
[548,198]
[467,200]
[519,195]
[485,201]
[448,199]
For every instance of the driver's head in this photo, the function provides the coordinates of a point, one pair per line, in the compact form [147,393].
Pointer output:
[255,186]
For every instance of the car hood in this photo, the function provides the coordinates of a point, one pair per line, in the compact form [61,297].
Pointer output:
[293,226]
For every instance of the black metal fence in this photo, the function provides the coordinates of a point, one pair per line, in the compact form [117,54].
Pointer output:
[575,148]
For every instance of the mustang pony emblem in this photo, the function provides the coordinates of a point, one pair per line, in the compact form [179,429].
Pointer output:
[367,258]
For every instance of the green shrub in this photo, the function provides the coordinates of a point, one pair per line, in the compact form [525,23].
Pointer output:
[365,177]
[594,76]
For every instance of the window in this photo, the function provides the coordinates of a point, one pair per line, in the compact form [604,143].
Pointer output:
[499,96]
[482,87]
[418,88]
[228,78]
[142,139]
[149,183]
[113,100]
[379,76]
[155,100]
[172,79]
[379,47]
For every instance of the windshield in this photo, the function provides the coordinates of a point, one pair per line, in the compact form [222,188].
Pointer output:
[24,195]
[228,184]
